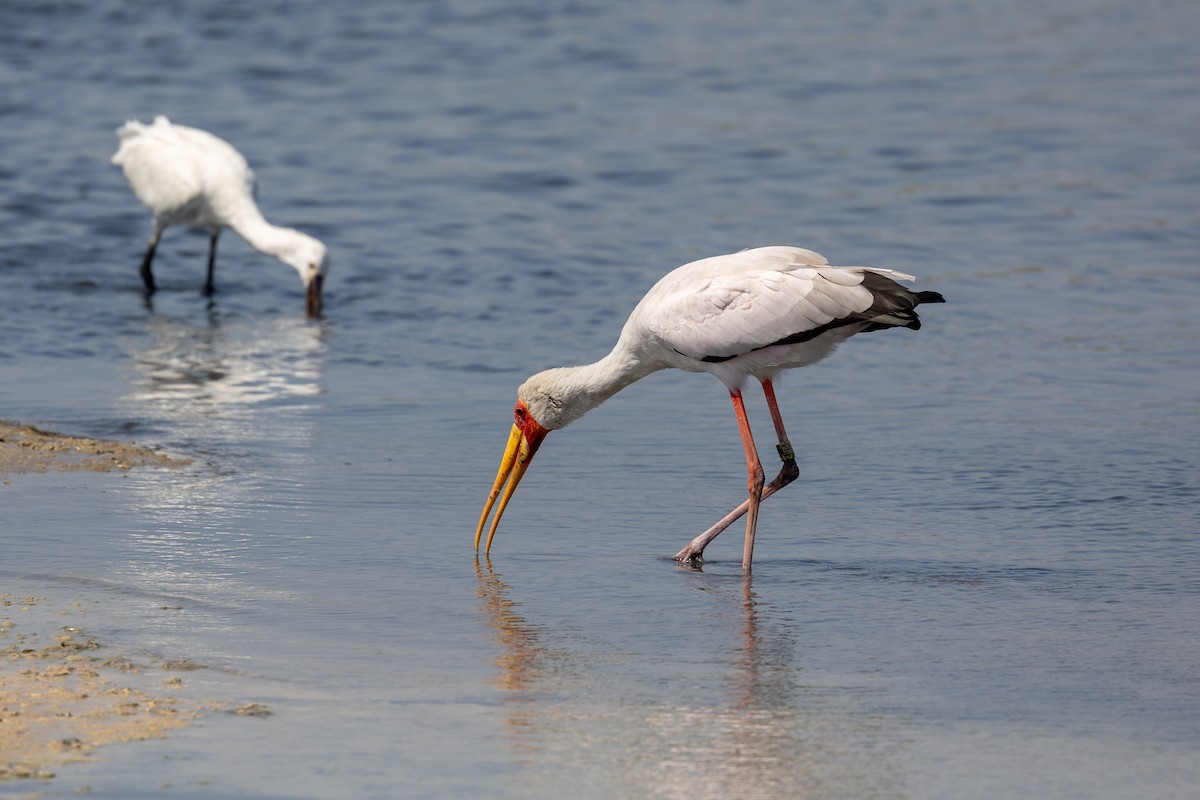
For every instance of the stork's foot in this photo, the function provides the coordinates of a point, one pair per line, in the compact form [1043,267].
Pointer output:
[694,552]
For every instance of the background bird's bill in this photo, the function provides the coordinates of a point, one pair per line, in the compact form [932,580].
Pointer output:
[313,295]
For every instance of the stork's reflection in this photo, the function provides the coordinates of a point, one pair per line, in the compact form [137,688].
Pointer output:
[520,662]
[763,733]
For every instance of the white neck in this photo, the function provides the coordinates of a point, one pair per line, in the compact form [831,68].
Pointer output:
[264,237]
[560,396]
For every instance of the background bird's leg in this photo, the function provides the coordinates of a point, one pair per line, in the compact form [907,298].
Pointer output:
[787,474]
[147,275]
[757,492]
[209,287]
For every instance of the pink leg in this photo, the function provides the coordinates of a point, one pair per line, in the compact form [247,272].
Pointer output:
[788,473]
[754,481]
[754,485]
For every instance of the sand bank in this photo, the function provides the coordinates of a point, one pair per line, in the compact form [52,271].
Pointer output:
[25,448]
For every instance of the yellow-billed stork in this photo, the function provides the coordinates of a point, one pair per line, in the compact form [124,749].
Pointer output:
[187,176]
[752,313]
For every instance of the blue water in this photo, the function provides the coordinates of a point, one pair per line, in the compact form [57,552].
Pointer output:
[985,583]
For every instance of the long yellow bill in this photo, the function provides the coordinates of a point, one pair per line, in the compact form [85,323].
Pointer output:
[517,456]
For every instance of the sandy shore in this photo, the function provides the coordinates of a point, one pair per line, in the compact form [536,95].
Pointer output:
[62,695]
[25,448]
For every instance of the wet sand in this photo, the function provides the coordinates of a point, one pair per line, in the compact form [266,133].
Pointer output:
[62,695]
[25,448]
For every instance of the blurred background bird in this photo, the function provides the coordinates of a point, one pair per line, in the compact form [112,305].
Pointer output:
[187,176]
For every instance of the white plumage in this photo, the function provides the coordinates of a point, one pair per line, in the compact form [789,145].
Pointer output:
[187,176]
[746,314]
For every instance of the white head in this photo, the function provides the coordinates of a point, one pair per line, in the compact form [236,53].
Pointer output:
[546,402]
[309,258]
[555,399]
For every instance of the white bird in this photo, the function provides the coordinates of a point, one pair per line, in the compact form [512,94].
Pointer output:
[187,176]
[752,313]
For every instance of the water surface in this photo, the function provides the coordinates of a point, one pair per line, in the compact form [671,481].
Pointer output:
[984,584]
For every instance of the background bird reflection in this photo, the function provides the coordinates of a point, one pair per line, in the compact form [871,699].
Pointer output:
[220,369]
[239,395]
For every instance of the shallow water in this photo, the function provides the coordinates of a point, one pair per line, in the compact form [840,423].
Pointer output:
[984,585]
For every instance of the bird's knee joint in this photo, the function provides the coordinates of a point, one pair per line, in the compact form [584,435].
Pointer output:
[756,482]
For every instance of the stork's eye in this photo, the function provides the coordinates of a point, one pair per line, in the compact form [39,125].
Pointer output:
[519,414]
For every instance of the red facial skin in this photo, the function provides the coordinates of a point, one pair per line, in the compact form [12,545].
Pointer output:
[530,429]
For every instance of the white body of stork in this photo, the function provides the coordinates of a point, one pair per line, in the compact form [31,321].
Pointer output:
[187,176]
[752,313]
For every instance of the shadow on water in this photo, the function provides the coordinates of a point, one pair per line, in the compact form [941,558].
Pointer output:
[757,730]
